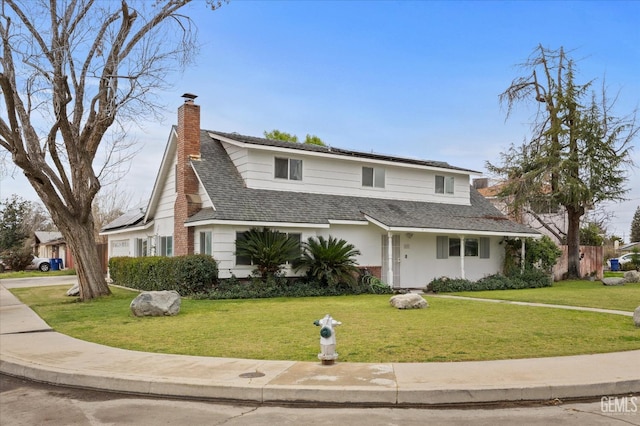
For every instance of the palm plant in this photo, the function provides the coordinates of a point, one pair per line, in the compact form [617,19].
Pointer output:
[268,250]
[330,262]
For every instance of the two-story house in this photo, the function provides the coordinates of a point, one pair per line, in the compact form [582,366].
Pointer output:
[412,220]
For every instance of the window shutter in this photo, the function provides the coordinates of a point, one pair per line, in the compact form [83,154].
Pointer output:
[484,247]
[442,247]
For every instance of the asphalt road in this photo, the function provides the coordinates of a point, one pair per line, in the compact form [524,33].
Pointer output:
[26,403]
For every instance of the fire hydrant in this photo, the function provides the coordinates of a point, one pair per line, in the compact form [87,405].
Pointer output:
[327,339]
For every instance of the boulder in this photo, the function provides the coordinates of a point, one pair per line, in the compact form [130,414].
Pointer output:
[156,303]
[408,301]
[74,291]
[613,281]
[632,277]
[636,317]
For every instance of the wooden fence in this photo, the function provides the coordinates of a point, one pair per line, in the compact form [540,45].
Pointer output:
[591,262]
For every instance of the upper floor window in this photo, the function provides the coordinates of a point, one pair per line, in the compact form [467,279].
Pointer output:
[288,168]
[444,184]
[373,177]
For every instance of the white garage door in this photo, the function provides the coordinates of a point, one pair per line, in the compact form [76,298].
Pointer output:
[119,248]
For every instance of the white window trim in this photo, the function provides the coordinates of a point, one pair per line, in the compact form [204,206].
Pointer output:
[378,178]
[290,166]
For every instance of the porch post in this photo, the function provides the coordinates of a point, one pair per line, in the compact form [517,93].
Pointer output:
[462,274]
[390,259]
[522,256]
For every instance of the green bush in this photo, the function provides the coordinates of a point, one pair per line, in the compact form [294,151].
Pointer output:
[188,275]
[279,286]
[269,250]
[540,253]
[196,273]
[330,261]
[530,278]
[17,260]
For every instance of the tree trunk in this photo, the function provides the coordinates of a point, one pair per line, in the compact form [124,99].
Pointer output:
[573,242]
[80,238]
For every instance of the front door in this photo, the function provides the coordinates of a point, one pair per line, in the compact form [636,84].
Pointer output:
[395,255]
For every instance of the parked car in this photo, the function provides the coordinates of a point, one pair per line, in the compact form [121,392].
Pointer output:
[625,258]
[40,263]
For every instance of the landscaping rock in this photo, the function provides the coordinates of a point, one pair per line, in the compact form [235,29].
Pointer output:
[74,291]
[613,281]
[632,277]
[636,317]
[156,303]
[408,301]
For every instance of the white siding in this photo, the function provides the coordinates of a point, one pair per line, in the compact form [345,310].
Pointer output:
[167,195]
[365,238]
[344,177]
[239,157]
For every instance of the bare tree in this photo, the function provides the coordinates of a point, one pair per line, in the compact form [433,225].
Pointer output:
[110,203]
[74,73]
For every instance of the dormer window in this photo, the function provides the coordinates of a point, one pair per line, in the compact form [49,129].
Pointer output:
[288,168]
[444,184]
[373,177]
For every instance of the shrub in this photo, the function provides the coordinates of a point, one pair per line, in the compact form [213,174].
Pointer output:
[444,284]
[196,273]
[268,250]
[374,285]
[531,278]
[278,286]
[330,262]
[540,253]
[188,275]
[17,260]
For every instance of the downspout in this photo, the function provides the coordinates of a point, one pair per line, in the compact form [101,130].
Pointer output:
[462,257]
[522,256]
[390,259]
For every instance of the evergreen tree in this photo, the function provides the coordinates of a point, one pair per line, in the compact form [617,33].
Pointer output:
[13,228]
[635,226]
[577,153]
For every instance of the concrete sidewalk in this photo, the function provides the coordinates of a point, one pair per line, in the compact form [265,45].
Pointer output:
[30,349]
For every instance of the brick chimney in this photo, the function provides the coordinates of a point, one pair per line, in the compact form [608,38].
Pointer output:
[187,199]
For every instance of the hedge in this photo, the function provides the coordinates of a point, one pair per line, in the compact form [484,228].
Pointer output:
[188,275]
[531,278]
[197,276]
[279,286]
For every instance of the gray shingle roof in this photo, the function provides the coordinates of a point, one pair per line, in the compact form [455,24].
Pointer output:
[233,201]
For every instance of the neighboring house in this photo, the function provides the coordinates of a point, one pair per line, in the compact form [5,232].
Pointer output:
[51,245]
[412,220]
[628,248]
[546,218]
[550,220]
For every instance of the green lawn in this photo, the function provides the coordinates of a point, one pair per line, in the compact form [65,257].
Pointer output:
[372,331]
[592,294]
[34,274]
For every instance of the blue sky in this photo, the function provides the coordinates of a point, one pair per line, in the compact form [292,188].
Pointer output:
[418,79]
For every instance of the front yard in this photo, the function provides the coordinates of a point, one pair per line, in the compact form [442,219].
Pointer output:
[372,331]
[592,294]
